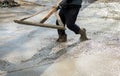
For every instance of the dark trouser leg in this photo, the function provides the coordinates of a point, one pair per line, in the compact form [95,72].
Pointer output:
[70,17]
[61,14]
[61,33]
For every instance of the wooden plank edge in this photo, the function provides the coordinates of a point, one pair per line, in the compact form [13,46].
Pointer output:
[61,27]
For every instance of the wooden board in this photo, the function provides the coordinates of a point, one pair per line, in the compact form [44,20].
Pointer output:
[40,24]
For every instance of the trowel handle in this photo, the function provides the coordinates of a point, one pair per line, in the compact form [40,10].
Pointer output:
[49,14]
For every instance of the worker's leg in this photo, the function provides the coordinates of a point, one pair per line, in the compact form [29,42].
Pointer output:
[61,33]
[71,16]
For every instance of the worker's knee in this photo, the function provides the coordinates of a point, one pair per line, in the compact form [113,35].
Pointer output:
[70,26]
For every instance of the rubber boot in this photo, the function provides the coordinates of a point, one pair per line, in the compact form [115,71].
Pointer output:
[62,38]
[83,35]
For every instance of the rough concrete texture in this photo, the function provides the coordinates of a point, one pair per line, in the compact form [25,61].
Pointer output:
[32,51]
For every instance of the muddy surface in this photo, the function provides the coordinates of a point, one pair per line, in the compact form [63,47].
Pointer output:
[33,51]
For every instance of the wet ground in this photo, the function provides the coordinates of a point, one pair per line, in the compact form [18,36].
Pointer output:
[33,51]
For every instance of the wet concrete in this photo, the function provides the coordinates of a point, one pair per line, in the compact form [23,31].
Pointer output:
[32,51]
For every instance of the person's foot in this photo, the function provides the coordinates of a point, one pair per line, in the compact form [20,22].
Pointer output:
[62,38]
[83,35]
